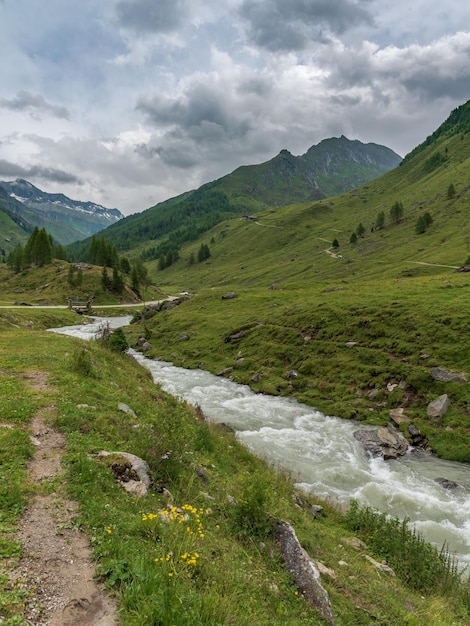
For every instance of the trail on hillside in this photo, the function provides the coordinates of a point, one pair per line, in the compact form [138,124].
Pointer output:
[454,267]
[56,567]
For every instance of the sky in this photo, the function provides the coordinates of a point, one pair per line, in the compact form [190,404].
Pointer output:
[129,102]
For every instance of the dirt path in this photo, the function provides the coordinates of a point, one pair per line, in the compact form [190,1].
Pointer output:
[56,567]
[455,267]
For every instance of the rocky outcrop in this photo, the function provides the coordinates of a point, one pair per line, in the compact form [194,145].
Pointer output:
[303,569]
[387,442]
[445,376]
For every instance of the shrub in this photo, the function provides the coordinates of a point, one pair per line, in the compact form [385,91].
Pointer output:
[118,341]
[82,362]
[422,566]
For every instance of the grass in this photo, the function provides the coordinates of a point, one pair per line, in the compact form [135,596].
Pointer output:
[187,554]
[399,331]
[48,286]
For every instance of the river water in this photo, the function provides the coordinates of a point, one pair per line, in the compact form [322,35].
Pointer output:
[321,453]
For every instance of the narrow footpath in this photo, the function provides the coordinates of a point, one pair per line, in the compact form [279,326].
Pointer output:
[56,567]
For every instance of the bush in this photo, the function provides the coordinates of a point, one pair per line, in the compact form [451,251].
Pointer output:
[118,341]
[82,363]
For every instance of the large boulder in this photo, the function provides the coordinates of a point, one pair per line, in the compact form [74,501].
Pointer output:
[303,569]
[387,442]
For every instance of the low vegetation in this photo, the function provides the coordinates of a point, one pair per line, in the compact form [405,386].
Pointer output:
[187,553]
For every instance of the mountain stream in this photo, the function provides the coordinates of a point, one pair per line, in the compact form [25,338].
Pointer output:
[320,451]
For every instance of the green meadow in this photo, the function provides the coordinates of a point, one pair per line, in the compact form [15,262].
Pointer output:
[193,556]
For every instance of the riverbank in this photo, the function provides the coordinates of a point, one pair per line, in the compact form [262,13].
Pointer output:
[349,352]
[195,464]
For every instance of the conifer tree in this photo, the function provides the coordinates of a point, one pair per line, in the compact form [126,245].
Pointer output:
[380,221]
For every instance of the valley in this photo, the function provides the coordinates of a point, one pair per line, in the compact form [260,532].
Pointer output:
[348,304]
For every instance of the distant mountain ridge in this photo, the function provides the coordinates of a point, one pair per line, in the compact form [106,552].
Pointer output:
[65,219]
[332,167]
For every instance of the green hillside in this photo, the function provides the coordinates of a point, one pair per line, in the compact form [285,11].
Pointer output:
[394,292]
[10,234]
[333,166]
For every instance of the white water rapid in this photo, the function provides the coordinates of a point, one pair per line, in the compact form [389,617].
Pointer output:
[321,453]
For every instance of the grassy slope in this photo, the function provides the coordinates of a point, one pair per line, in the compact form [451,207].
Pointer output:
[237,577]
[10,233]
[300,305]
[48,285]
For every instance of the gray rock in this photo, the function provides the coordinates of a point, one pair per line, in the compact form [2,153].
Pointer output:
[146,346]
[304,570]
[315,510]
[381,567]
[235,336]
[387,442]
[224,372]
[398,416]
[229,296]
[351,344]
[438,408]
[355,543]
[418,440]
[446,483]
[290,374]
[445,376]
[183,337]
[126,409]
[129,469]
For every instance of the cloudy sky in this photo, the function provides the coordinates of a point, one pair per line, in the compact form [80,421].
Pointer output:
[130,102]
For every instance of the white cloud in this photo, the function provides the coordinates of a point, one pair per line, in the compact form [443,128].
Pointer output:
[135,102]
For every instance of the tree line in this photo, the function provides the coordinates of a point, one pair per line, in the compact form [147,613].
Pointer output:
[39,250]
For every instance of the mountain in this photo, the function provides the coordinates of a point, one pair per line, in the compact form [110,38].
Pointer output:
[65,219]
[328,169]
[332,167]
[293,243]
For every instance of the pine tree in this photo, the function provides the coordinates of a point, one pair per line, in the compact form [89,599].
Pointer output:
[450,191]
[135,283]
[353,238]
[105,280]
[396,212]
[15,259]
[420,227]
[427,219]
[117,283]
[380,221]
[203,253]
[360,230]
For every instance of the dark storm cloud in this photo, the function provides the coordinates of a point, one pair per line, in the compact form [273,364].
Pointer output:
[9,170]
[151,16]
[282,26]
[26,101]
[432,86]
[202,112]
